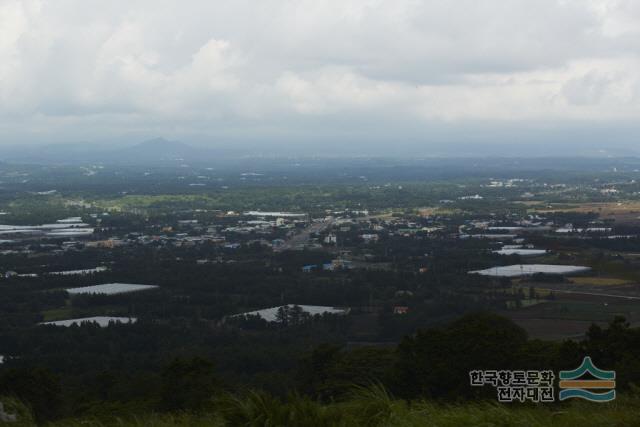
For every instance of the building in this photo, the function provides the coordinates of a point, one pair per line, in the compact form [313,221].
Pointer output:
[331,239]
[400,309]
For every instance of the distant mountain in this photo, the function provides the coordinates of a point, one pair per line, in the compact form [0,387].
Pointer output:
[163,144]
[156,151]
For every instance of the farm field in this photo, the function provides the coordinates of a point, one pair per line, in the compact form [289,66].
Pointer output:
[623,212]
[599,281]
[569,316]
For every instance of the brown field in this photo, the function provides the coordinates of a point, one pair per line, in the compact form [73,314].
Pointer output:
[570,315]
[555,329]
[605,208]
[599,281]
[622,212]
[438,211]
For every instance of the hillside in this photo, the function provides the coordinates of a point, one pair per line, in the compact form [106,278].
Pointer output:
[157,151]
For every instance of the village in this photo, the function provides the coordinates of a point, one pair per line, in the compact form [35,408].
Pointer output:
[524,243]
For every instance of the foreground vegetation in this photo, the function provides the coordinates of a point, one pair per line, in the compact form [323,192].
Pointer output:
[371,406]
[424,381]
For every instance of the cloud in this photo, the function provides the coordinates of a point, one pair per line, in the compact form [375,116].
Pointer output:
[71,69]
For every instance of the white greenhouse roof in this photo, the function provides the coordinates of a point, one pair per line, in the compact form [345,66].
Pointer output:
[110,289]
[78,272]
[529,269]
[521,252]
[270,314]
[102,321]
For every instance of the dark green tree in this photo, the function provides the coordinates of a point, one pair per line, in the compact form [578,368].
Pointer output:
[38,388]
[188,384]
[437,362]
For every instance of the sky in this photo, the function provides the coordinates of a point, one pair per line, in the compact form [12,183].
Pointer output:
[401,76]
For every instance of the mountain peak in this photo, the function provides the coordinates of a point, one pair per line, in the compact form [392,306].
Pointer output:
[162,143]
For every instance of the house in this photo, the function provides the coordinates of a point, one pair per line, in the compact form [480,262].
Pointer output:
[309,268]
[400,309]
[328,266]
[369,238]
[331,239]
[337,264]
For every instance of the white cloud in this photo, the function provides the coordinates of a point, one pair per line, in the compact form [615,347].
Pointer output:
[157,66]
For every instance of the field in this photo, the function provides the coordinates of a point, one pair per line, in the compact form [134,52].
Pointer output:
[604,208]
[570,315]
[621,211]
[56,314]
[438,211]
[599,281]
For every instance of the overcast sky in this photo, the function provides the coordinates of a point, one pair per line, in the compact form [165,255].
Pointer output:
[357,74]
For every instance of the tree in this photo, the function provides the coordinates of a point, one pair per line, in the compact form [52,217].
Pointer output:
[296,315]
[315,369]
[188,384]
[38,388]
[330,373]
[437,362]
[282,315]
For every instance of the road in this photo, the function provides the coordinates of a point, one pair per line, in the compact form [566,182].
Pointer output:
[295,241]
[595,294]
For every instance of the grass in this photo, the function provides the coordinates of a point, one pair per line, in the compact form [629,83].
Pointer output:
[586,310]
[22,413]
[373,406]
[57,314]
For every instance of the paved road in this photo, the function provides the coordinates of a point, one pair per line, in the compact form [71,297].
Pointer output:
[303,237]
[295,241]
[595,294]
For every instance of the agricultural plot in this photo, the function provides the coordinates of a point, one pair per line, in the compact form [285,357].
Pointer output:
[521,252]
[599,281]
[271,314]
[102,321]
[110,289]
[518,270]
[569,316]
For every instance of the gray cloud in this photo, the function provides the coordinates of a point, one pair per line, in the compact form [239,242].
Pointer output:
[283,70]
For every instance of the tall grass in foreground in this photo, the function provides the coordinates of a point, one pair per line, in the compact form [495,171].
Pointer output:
[373,406]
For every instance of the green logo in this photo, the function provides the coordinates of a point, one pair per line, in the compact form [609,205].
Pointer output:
[572,386]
